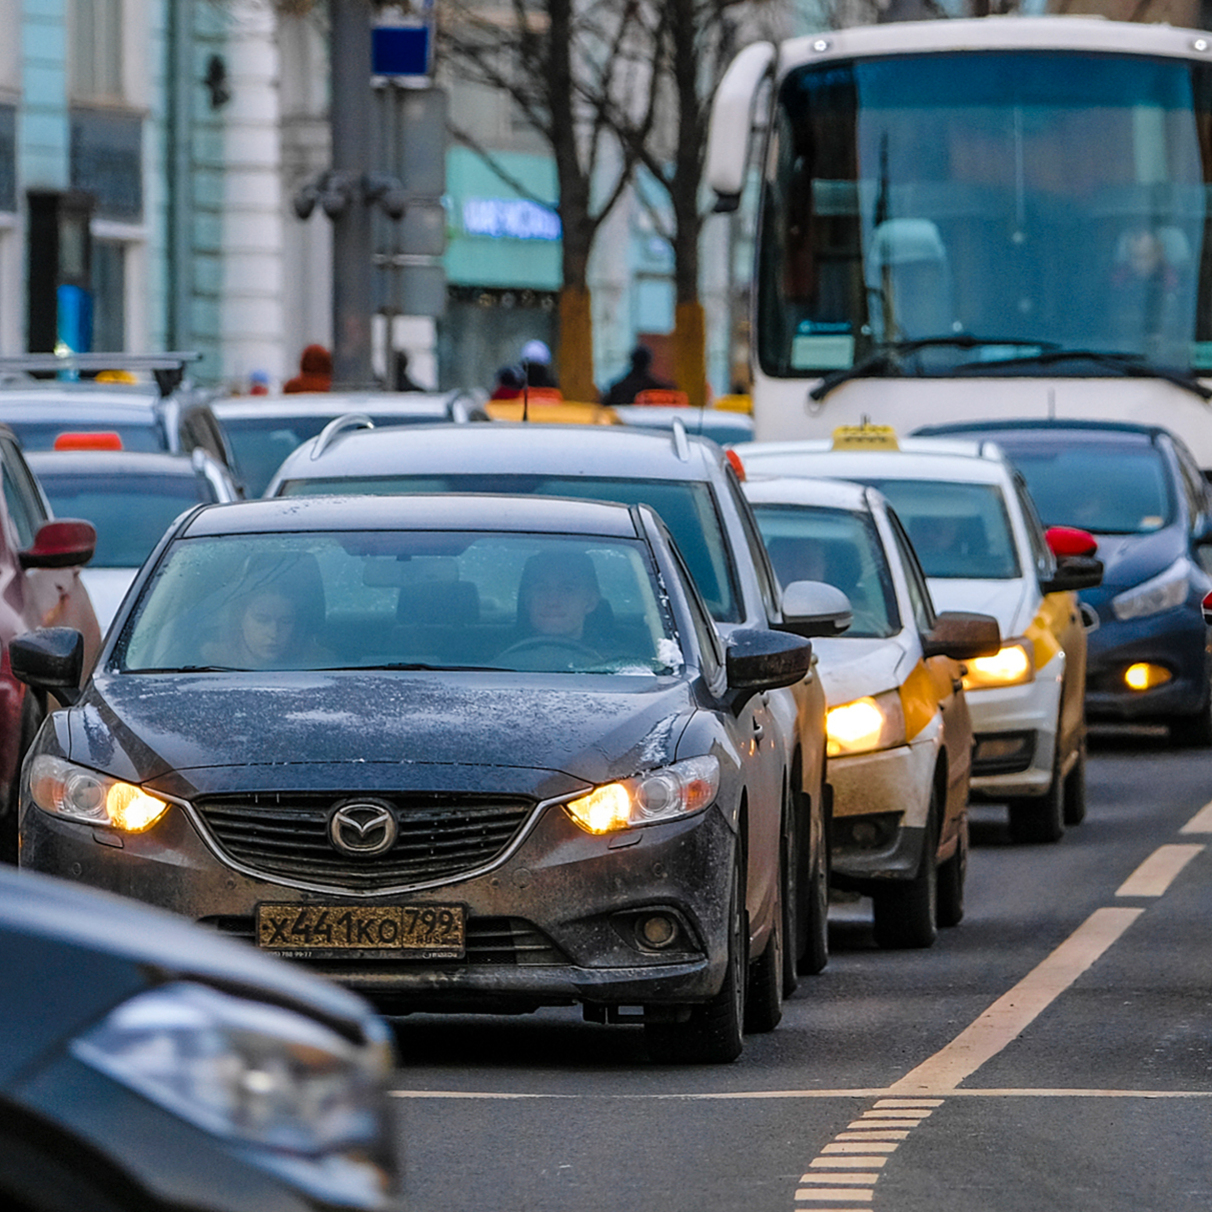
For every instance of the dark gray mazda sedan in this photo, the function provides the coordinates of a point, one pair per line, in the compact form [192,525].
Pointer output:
[457,752]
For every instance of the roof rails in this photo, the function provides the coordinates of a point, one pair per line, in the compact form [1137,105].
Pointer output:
[167,368]
[681,444]
[335,428]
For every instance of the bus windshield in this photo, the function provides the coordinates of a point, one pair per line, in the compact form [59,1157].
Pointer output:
[999,205]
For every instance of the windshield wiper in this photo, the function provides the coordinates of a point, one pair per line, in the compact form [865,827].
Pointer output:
[190,669]
[1131,365]
[888,358]
[409,666]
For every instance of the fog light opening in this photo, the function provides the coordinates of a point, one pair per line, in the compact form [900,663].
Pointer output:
[657,930]
[1144,675]
[865,834]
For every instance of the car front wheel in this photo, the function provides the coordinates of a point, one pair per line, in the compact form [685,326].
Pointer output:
[906,911]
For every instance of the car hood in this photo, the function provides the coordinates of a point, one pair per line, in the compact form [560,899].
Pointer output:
[74,953]
[191,733]
[851,668]
[1012,603]
[1129,559]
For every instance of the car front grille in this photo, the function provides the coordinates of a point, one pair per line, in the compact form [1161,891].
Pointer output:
[286,835]
[510,941]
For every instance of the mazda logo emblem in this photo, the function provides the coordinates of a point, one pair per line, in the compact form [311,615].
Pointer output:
[363,828]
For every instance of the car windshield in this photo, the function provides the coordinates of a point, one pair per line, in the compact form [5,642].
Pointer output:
[260,445]
[959,530]
[131,513]
[41,435]
[402,600]
[687,508]
[1104,487]
[839,547]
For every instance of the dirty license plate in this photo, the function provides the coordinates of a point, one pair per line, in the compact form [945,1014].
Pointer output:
[415,931]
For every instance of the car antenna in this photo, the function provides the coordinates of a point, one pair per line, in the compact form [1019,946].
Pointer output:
[525,392]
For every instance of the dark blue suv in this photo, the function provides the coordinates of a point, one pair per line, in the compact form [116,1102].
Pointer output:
[1139,490]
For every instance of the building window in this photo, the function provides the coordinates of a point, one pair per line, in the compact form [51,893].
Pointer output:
[8,157]
[109,295]
[107,162]
[96,50]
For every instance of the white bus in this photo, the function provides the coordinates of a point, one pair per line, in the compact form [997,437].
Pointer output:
[967,219]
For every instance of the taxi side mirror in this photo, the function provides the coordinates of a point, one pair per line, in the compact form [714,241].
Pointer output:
[963,636]
[1072,573]
[50,659]
[62,543]
[813,608]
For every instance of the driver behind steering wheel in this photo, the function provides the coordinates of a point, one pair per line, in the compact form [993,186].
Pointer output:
[557,594]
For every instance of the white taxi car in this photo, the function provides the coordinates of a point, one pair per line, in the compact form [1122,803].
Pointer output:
[897,726]
[981,544]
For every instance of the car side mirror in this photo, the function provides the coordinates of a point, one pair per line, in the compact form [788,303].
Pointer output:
[1066,541]
[813,608]
[63,543]
[963,636]
[50,660]
[1072,573]
[759,660]
[1201,535]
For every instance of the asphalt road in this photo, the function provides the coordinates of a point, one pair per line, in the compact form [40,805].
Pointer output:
[1053,1053]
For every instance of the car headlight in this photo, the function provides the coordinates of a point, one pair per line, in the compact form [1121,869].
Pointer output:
[866,724]
[242,1069]
[1013,665]
[79,794]
[1163,592]
[660,795]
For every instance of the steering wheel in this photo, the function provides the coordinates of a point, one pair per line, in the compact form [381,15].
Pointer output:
[534,643]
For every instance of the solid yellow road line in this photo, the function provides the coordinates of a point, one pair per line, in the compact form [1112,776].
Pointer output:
[1158,871]
[1013,1011]
[1201,822]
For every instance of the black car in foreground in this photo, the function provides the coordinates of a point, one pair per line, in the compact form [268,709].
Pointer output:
[149,1066]
[1139,491]
[465,752]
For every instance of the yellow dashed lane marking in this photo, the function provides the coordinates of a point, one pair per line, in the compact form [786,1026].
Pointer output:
[1201,822]
[1158,871]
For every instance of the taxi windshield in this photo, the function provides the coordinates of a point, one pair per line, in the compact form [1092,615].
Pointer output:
[840,548]
[402,600]
[959,530]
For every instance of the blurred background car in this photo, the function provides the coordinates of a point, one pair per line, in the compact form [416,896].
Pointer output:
[260,431]
[166,1069]
[898,726]
[1139,490]
[979,541]
[144,398]
[131,497]
[586,813]
[40,562]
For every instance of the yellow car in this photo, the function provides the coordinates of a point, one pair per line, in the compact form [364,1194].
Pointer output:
[898,731]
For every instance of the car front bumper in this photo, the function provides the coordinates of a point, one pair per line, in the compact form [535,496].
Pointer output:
[554,921]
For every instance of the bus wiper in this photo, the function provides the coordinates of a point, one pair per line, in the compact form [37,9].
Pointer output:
[1130,365]
[888,357]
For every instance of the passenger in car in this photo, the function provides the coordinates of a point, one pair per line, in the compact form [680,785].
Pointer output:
[557,595]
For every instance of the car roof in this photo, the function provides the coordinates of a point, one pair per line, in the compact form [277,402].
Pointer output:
[32,404]
[111,462]
[451,511]
[916,459]
[804,490]
[611,451]
[334,404]
[1059,431]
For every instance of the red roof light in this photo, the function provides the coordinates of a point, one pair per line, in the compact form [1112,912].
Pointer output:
[106,440]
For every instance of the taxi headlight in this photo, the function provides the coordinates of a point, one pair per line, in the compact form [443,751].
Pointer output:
[660,795]
[243,1069]
[866,724]
[1163,592]
[1013,665]
[78,794]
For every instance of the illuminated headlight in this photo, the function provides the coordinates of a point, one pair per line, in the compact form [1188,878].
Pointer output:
[1011,666]
[243,1069]
[660,795]
[874,722]
[1163,592]
[71,791]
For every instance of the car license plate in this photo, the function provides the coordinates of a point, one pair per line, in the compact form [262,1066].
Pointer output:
[370,931]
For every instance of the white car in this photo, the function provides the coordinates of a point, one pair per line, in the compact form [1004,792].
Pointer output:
[897,724]
[983,548]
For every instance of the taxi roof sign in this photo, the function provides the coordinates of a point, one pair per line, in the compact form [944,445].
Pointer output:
[865,437]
